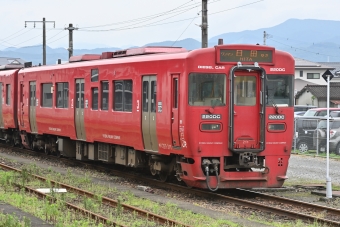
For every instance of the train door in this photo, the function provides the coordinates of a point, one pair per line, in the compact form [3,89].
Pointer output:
[33,104]
[149,105]
[247,109]
[174,113]
[79,110]
[21,104]
[1,101]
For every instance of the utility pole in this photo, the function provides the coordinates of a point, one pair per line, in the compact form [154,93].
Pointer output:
[204,24]
[70,39]
[44,35]
[265,37]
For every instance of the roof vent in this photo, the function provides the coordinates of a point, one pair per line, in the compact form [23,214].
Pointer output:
[148,50]
[85,57]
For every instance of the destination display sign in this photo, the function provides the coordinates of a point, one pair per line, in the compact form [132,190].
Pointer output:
[238,55]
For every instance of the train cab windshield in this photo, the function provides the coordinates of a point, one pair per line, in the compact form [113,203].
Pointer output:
[207,89]
[279,90]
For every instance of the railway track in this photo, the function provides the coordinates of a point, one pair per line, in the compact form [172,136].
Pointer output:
[294,209]
[105,201]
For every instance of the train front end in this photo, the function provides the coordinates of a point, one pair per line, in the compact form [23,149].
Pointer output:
[240,115]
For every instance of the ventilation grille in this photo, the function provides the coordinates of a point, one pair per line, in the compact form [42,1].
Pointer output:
[103,151]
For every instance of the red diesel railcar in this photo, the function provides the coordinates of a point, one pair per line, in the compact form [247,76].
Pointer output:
[8,106]
[219,117]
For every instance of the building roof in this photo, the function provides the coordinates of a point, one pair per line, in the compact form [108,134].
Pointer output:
[303,64]
[11,63]
[300,84]
[320,91]
[335,65]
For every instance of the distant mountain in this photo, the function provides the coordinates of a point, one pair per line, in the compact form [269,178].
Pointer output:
[310,39]
[34,53]
[189,44]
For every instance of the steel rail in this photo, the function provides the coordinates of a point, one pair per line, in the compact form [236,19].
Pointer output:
[320,208]
[94,216]
[242,202]
[106,200]
[210,195]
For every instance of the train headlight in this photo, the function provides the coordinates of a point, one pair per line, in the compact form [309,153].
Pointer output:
[211,127]
[276,127]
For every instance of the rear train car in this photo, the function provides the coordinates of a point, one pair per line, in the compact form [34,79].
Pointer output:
[8,106]
[219,117]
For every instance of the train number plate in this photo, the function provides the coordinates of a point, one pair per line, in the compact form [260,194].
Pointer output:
[276,117]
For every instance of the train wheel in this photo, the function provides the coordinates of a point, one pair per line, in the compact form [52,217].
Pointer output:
[163,176]
[303,147]
[46,150]
[58,154]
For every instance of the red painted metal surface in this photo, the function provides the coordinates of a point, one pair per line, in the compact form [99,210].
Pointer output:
[9,110]
[179,130]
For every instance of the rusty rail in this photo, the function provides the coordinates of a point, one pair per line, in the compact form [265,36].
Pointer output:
[241,202]
[106,200]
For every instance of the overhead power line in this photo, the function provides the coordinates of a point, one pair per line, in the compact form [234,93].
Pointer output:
[129,27]
[44,35]
[301,49]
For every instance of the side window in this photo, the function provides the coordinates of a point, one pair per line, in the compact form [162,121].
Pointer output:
[123,95]
[94,75]
[322,113]
[118,96]
[336,125]
[175,91]
[47,95]
[153,96]
[128,95]
[62,95]
[145,95]
[313,75]
[105,95]
[8,94]
[94,98]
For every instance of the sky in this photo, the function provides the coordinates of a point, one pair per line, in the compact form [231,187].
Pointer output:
[118,23]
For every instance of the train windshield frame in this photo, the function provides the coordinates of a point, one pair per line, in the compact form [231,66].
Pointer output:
[279,90]
[207,89]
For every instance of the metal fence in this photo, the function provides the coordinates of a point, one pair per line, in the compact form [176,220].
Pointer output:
[307,136]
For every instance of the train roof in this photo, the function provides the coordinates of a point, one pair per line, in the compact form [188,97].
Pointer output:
[128,53]
[141,54]
[123,56]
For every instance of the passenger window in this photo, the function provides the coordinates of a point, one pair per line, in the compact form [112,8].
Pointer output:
[94,75]
[105,95]
[123,96]
[47,92]
[128,95]
[94,98]
[62,95]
